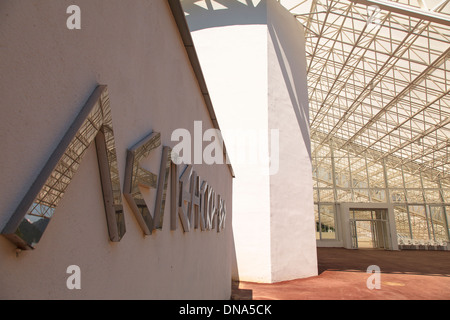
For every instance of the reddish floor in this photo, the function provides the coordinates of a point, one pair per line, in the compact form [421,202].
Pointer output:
[413,275]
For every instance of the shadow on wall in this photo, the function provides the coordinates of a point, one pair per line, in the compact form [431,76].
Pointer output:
[202,14]
[205,14]
[216,13]
[290,62]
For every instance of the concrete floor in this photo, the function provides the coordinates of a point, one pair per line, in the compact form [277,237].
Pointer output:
[405,275]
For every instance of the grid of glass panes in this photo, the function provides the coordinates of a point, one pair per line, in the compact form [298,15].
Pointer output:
[380,91]
[421,204]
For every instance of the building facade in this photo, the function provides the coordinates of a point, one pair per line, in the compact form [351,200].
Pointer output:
[92,207]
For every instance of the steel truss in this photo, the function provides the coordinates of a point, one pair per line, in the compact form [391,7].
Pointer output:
[378,79]
[379,82]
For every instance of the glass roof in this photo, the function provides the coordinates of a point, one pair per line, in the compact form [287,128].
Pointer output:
[379,80]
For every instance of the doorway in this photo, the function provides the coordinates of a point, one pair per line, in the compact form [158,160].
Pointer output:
[369,228]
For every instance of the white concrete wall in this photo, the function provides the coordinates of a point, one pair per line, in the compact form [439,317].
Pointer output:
[253,59]
[293,243]
[48,72]
[233,60]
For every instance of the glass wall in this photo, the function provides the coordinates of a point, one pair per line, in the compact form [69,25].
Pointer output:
[421,200]
[325,221]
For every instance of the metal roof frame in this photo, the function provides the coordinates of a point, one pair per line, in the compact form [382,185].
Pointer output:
[379,80]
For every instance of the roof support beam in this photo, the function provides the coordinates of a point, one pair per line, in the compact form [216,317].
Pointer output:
[425,73]
[430,130]
[407,10]
[405,121]
[381,73]
[392,161]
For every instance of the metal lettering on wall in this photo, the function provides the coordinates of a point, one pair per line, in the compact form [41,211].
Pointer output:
[192,199]
[33,214]
[136,176]
[198,204]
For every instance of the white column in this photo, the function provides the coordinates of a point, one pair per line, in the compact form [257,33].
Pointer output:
[256,76]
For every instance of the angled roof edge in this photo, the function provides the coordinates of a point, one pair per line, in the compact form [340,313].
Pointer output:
[180,20]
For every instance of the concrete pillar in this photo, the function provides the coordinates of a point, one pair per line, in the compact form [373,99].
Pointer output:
[253,58]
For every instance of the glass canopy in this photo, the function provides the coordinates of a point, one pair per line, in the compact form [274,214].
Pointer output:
[379,81]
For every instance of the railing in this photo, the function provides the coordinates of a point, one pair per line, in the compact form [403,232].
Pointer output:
[410,244]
